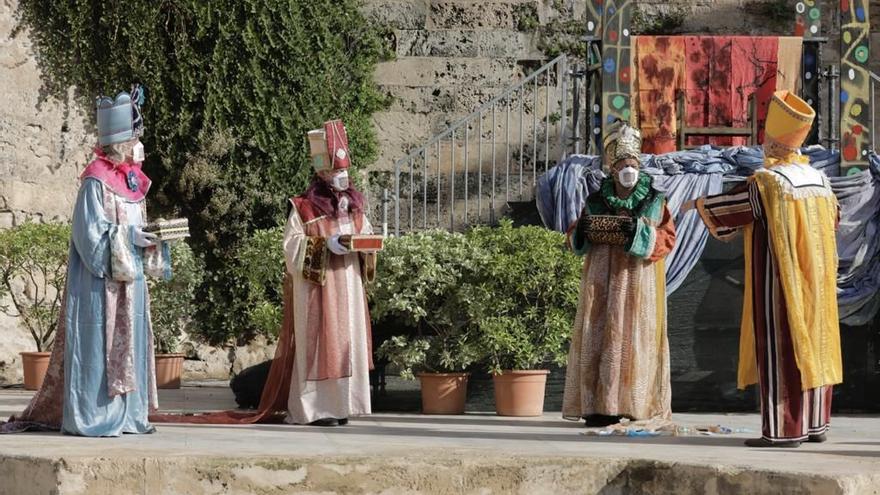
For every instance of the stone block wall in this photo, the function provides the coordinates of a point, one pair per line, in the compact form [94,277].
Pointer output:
[44,143]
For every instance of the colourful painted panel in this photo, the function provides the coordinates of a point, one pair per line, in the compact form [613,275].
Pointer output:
[595,11]
[855,83]
[808,18]
[616,62]
[808,24]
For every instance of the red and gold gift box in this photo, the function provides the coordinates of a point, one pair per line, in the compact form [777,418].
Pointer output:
[364,243]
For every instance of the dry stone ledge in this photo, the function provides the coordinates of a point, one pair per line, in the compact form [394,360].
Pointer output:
[480,14]
[438,72]
[426,473]
[397,14]
[445,43]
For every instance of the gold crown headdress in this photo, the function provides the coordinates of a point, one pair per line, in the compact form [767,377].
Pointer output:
[622,141]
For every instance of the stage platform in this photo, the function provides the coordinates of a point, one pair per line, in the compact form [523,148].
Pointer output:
[407,454]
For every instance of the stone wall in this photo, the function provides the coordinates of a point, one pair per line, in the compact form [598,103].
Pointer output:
[43,144]
[453,55]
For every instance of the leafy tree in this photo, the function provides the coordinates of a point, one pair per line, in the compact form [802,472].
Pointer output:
[33,265]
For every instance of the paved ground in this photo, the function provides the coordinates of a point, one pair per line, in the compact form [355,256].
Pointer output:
[849,459]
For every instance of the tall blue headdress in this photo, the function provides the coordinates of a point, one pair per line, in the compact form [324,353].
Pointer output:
[120,119]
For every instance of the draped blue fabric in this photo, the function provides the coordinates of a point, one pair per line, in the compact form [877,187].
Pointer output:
[563,190]
[858,244]
[690,232]
[88,410]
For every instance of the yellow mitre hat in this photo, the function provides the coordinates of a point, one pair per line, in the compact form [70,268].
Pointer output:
[789,120]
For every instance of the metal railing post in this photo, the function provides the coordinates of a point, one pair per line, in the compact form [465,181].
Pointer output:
[466,177]
[575,108]
[411,193]
[534,135]
[397,199]
[546,120]
[425,188]
[833,107]
[563,76]
[438,184]
[875,80]
[480,172]
[522,99]
[452,183]
[494,159]
[507,146]
[385,201]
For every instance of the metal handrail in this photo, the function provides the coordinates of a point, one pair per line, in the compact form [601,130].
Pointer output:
[485,106]
[417,158]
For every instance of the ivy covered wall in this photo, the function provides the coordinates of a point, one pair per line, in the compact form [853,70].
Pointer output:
[232,87]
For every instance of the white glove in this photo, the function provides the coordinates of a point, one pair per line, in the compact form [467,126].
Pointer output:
[335,246]
[144,239]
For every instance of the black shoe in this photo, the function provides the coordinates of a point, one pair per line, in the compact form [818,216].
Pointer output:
[600,420]
[817,438]
[763,442]
[342,422]
[325,422]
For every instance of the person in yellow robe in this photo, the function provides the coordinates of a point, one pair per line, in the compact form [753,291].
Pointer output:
[790,342]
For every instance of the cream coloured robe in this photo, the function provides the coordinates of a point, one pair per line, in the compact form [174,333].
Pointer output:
[332,398]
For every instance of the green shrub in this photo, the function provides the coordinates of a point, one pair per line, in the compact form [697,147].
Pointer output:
[260,264]
[524,298]
[172,302]
[418,283]
[504,297]
[33,266]
[232,87]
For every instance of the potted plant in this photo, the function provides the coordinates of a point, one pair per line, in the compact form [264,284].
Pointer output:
[418,283]
[172,304]
[33,264]
[438,361]
[522,304]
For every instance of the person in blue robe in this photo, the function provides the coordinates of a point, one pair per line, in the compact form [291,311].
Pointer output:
[101,377]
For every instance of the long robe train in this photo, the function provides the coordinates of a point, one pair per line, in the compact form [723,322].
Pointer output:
[276,392]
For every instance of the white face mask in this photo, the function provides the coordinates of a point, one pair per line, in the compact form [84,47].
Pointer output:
[137,152]
[628,177]
[340,181]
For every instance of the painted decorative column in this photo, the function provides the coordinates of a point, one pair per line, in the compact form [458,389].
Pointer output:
[808,25]
[855,84]
[616,62]
[595,18]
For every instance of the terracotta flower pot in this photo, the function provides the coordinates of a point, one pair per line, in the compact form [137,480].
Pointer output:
[168,370]
[35,365]
[443,393]
[520,392]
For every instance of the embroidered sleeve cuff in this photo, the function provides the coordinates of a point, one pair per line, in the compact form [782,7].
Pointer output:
[314,259]
[642,245]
